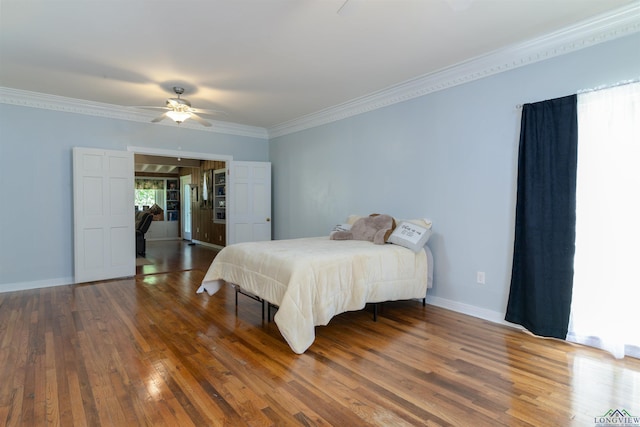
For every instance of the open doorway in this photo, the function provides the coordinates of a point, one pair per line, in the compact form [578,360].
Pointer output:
[195,216]
[186,198]
[185,207]
[248,199]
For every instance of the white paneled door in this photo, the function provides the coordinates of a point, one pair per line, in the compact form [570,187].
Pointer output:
[104,216]
[248,202]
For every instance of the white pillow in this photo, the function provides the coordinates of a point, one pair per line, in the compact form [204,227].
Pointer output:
[423,222]
[410,235]
[340,227]
[353,218]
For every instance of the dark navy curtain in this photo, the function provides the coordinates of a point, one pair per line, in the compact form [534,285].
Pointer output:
[544,248]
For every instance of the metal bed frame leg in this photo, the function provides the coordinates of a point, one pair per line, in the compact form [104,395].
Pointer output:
[254,297]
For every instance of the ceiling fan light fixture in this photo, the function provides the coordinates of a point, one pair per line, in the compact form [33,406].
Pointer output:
[179,110]
[178,116]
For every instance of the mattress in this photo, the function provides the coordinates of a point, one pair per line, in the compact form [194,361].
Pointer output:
[313,279]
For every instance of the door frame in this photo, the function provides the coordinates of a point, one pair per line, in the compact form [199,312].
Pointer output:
[180,154]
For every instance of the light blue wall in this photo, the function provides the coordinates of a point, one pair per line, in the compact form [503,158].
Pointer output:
[450,156]
[36,214]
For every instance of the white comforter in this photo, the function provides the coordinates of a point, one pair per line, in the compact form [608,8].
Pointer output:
[313,279]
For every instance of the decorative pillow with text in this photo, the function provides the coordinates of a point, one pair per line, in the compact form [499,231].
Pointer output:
[410,235]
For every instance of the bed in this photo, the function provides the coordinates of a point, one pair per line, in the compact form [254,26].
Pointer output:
[313,279]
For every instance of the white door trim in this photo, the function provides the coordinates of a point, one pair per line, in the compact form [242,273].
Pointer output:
[179,153]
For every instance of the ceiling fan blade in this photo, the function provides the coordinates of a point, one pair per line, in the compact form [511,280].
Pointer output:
[200,120]
[159,118]
[342,7]
[350,7]
[177,103]
[209,112]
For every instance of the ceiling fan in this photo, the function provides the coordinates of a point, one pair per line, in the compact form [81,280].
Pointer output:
[179,110]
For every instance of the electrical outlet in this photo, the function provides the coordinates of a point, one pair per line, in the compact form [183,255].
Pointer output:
[480,277]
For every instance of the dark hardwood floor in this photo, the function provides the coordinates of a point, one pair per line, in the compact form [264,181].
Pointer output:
[150,351]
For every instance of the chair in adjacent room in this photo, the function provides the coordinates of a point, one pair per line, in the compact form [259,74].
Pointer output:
[143,222]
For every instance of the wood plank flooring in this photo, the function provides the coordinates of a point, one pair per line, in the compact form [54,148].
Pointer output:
[149,351]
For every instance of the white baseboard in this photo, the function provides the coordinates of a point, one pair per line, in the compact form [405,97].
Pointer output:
[471,310]
[210,245]
[24,286]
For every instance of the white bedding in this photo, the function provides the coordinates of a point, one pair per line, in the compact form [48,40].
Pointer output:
[314,279]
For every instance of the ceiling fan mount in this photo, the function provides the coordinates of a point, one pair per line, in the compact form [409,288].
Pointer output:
[178,105]
[171,102]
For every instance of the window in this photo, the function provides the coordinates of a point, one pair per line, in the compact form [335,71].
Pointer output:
[149,192]
[604,310]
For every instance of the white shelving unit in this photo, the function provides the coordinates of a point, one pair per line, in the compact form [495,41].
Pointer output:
[219,196]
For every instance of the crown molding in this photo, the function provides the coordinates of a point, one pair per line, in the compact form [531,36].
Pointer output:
[618,23]
[25,98]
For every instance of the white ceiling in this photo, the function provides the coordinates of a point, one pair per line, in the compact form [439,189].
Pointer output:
[263,62]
